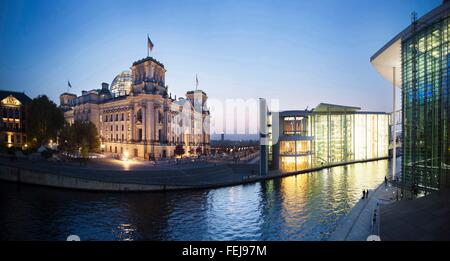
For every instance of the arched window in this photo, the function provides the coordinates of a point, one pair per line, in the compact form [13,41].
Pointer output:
[139,115]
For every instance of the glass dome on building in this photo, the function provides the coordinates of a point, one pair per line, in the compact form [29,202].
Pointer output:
[121,85]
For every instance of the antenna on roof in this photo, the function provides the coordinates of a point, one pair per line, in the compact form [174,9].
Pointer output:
[413,17]
[196,82]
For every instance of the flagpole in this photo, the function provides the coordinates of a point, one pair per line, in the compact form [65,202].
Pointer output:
[148,51]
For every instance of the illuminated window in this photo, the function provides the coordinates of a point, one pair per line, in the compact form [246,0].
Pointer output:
[287,147]
[288,125]
[302,146]
[288,164]
[303,162]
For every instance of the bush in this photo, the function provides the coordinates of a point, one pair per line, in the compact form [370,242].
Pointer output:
[11,151]
[47,154]
[26,151]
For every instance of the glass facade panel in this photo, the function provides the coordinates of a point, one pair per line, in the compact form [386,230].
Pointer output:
[303,146]
[287,147]
[288,164]
[303,162]
[337,138]
[321,143]
[301,126]
[121,85]
[360,136]
[295,126]
[425,57]
[289,125]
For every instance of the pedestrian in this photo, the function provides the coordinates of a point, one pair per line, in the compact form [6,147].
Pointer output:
[385,180]
[364,194]
[367,194]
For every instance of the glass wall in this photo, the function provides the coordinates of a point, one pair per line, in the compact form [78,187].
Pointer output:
[320,132]
[348,137]
[295,126]
[303,146]
[287,164]
[295,155]
[335,138]
[425,58]
[287,147]
[360,142]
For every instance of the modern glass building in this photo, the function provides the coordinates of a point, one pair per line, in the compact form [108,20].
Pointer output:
[327,135]
[416,60]
[121,85]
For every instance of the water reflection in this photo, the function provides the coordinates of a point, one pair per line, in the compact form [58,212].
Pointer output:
[302,207]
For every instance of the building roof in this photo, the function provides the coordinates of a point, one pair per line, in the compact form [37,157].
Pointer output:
[149,58]
[189,92]
[21,96]
[68,93]
[326,107]
[104,92]
[389,56]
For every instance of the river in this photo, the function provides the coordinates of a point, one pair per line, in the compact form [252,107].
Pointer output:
[301,207]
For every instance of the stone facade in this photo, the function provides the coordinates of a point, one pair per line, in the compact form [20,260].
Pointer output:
[12,122]
[147,123]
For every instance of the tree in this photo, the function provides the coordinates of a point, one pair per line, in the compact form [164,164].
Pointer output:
[44,120]
[179,150]
[80,134]
[84,148]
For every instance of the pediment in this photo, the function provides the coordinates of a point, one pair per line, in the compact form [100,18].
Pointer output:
[11,101]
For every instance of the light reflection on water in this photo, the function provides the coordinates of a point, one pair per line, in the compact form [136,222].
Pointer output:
[302,207]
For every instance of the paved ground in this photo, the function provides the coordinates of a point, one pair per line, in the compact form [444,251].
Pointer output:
[358,223]
[426,218]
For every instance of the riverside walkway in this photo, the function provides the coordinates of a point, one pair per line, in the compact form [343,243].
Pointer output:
[184,175]
[358,224]
[423,219]
[116,175]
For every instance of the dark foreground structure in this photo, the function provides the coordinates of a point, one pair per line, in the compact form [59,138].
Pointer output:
[416,60]
[427,218]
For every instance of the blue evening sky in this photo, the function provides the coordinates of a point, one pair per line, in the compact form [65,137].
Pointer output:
[301,52]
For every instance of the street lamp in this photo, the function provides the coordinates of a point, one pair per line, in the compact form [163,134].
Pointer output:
[126,154]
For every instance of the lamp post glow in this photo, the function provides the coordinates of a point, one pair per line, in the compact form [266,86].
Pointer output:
[125,156]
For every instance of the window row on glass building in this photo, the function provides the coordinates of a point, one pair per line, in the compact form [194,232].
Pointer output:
[328,135]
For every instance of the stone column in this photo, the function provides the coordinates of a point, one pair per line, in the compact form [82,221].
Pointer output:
[151,121]
[151,126]
[132,123]
[144,123]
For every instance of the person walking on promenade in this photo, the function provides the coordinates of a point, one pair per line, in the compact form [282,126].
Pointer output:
[364,194]
[367,193]
[385,181]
